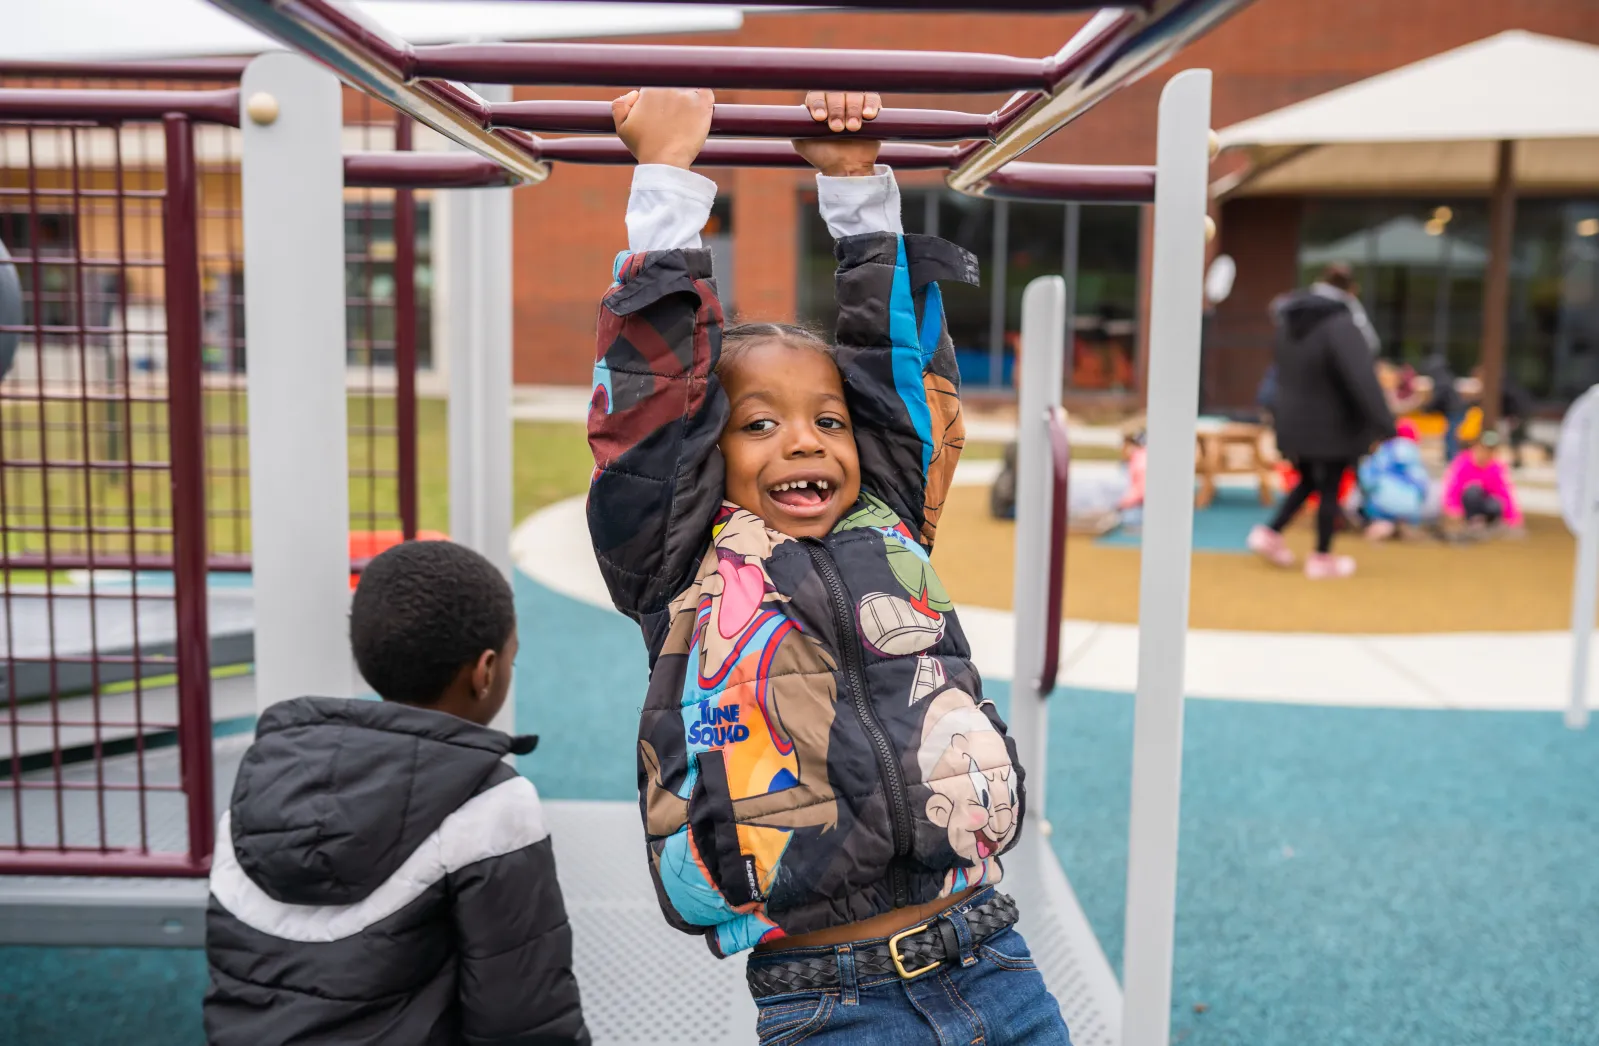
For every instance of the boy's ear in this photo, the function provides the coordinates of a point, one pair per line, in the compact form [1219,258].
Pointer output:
[488,663]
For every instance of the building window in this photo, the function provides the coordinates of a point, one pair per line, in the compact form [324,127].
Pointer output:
[369,282]
[1015,243]
[1421,266]
[58,239]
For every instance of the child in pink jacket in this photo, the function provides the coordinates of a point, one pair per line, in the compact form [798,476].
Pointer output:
[1477,487]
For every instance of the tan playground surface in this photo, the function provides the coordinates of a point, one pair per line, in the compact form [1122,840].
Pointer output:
[1500,586]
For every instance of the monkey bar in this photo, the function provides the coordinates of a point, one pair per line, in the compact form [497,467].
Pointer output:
[1117,46]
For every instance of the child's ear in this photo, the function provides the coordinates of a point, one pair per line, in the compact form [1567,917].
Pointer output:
[488,663]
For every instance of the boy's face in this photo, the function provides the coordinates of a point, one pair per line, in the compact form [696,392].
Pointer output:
[789,444]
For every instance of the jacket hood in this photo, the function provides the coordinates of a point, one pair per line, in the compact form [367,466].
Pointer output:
[1301,312]
[336,793]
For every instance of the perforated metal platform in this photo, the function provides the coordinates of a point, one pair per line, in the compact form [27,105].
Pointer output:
[679,993]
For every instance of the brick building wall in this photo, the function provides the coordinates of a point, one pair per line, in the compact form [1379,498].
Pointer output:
[1272,54]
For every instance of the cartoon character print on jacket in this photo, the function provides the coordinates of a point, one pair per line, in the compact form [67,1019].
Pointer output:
[757,707]
[964,761]
[893,625]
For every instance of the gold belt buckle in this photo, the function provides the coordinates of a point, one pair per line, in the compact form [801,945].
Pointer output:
[899,964]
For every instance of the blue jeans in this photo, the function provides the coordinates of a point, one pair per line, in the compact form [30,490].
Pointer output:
[993,995]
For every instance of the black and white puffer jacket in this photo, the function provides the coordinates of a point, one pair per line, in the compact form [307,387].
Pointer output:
[382,876]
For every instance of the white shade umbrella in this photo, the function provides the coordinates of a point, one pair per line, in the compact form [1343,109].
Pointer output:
[1514,109]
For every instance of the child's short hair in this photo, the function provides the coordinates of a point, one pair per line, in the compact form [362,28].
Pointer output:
[421,611]
[737,339]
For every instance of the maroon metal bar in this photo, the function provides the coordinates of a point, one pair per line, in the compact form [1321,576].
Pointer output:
[1060,457]
[220,106]
[1082,183]
[750,121]
[1014,6]
[1115,48]
[227,563]
[202,69]
[79,861]
[771,68]
[405,320]
[733,152]
[366,57]
[186,442]
[423,171]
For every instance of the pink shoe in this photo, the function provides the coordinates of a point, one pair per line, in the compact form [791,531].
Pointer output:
[1323,565]
[1268,545]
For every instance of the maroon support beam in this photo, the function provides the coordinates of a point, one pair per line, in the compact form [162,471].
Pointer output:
[750,121]
[405,321]
[186,451]
[98,106]
[368,58]
[1060,458]
[51,861]
[982,6]
[727,152]
[770,68]
[1115,48]
[202,69]
[1061,181]
[907,125]
[423,171]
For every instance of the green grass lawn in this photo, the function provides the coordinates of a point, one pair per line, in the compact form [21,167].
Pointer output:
[108,502]
[550,461]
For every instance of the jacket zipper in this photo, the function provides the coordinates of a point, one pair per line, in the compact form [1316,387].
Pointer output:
[855,678]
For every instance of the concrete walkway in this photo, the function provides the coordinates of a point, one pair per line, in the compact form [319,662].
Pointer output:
[1510,671]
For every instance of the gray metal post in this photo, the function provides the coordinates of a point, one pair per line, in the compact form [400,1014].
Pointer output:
[479,260]
[1038,386]
[293,203]
[1177,301]
[1585,581]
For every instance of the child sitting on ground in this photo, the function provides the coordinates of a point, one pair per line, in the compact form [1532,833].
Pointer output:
[382,875]
[1478,491]
[1394,485]
[820,776]
[1130,507]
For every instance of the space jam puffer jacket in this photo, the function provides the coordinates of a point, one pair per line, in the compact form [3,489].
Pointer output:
[814,748]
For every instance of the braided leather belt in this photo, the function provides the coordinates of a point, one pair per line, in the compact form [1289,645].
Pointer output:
[909,953]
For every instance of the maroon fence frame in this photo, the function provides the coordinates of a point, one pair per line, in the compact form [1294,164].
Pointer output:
[114,471]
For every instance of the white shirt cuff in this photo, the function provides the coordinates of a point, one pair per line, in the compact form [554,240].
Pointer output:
[851,206]
[667,208]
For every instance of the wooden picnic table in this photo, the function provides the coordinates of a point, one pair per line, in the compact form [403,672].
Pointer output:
[1233,448]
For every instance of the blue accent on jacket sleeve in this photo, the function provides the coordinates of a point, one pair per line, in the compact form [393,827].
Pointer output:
[908,349]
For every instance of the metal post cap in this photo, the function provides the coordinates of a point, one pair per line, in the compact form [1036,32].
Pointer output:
[262,108]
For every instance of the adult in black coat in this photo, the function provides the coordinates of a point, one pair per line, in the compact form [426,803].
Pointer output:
[1329,409]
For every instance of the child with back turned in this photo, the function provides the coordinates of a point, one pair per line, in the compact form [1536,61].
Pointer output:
[382,875]
[820,777]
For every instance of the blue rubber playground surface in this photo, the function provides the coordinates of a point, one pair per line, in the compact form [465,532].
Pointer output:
[1369,877]
[1222,526]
